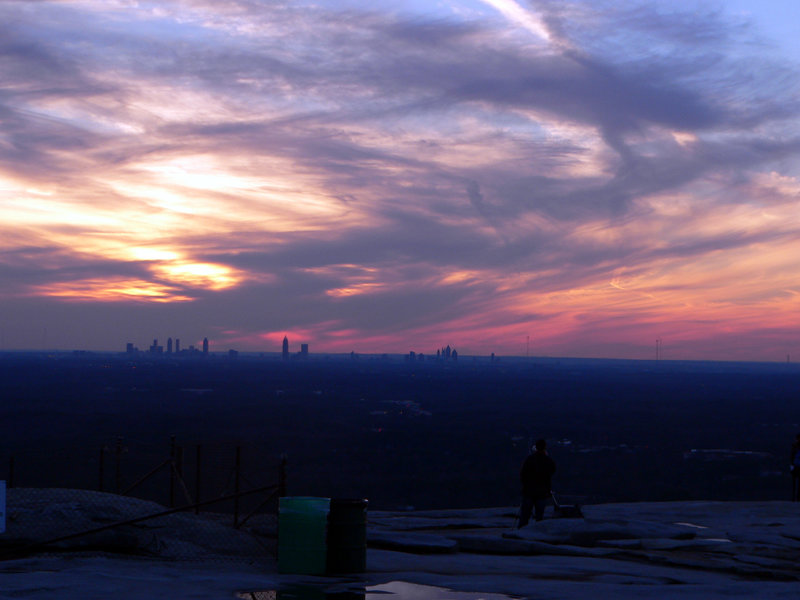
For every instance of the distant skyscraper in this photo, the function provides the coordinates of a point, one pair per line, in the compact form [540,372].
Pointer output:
[205,345]
[304,350]
[177,345]
[285,351]
[169,345]
[129,348]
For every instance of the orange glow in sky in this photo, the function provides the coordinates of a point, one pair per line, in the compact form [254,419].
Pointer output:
[392,179]
[106,290]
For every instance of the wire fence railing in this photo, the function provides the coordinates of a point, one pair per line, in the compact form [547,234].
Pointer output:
[204,501]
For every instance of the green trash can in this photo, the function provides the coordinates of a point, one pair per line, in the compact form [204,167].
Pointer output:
[302,534]
[347,536]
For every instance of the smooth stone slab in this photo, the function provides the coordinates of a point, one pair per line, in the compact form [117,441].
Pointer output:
[588,532]
[444,519]
[509,545]
[715,545]
[417,543]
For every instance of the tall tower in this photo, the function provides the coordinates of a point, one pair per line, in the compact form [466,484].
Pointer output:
[177,345]
[285,350]
[205,346]
[169,345]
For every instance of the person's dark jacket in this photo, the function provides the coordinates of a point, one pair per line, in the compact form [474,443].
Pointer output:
[536,475]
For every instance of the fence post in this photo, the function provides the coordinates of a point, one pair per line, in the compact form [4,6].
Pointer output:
[118,469]
[197,479]
[172,471]
[102,475]
[179,461]
[237,470]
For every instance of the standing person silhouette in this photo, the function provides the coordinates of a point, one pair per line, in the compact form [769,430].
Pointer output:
[536,475]
[794,467]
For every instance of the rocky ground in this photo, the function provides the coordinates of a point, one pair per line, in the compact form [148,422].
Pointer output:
[652,550]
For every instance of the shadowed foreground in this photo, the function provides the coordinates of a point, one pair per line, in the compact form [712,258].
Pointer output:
[655,550]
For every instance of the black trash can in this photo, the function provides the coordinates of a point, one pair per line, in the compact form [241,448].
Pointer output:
[347,536]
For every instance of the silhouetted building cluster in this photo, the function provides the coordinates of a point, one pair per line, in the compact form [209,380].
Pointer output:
[173,348]
[155,348]
[285,350]
[446,353]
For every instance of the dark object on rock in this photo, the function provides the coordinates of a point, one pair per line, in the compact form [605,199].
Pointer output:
[565,511]
[347,536]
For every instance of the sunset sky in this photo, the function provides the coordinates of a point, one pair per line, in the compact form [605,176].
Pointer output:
[389,176]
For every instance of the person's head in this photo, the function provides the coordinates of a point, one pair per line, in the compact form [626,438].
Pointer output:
[540,445]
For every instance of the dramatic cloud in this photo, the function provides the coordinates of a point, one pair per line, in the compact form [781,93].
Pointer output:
[592,175]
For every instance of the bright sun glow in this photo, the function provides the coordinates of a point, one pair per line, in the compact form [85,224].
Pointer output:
[147,254]
[112,290]
[199,275]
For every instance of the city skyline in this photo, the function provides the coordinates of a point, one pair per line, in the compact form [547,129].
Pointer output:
[576,179]
[445,352]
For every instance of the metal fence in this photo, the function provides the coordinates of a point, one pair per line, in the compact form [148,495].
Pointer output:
[201,502]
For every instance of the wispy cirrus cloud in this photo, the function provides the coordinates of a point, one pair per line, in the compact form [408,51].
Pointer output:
[388,178]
